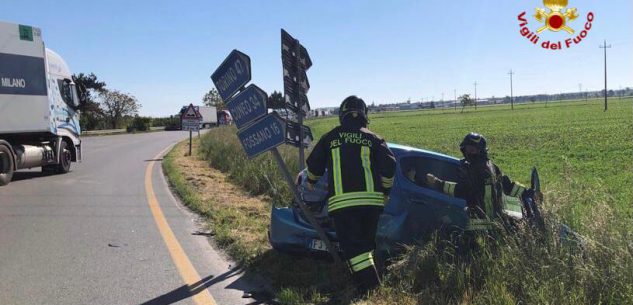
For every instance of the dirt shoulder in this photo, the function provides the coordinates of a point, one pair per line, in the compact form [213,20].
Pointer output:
[237,220]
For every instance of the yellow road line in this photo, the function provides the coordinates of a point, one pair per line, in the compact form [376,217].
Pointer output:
[178,255]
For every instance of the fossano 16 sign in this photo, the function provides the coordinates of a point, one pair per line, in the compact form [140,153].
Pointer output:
[555,17]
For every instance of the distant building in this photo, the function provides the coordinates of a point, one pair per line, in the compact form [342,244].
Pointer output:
[322,112]
[407,106]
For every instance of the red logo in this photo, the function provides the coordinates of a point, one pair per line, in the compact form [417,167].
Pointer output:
[555,17]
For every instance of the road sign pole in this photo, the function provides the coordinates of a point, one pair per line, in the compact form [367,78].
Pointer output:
[304,208]
[301,137]
[299,103]
[190,133]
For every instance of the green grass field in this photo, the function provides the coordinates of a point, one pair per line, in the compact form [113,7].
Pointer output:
[573,144]
[584,156]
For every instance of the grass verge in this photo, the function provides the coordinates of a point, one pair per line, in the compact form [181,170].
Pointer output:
[522,267]
[239,221]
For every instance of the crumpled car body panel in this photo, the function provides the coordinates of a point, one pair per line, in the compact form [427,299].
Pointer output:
[412,213]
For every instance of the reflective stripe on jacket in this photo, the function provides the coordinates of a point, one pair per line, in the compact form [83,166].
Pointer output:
[482,186]
[360,166]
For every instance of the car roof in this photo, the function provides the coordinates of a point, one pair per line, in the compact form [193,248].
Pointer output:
[403,150]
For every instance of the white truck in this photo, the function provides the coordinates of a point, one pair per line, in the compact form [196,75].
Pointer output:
[209,116]
[39,105]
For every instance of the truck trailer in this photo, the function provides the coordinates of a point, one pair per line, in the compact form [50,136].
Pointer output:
[209,116]
[39,105]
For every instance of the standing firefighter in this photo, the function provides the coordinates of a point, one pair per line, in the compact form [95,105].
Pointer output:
[480,183]
[360,171]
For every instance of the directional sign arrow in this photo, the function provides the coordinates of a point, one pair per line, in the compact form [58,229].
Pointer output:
[289,56]
[263,135]
[232,74]
[295,60]
[292,103]
[293,134]
[291,77]
[249,105]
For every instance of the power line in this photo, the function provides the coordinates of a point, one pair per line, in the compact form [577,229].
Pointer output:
[605,47]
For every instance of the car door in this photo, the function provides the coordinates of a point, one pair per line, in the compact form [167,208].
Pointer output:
[430,209]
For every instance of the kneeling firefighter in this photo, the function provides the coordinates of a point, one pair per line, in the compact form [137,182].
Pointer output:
[481,183]
[360,169]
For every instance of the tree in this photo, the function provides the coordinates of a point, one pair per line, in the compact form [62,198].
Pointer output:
[213,98]
[276,101]
[116,106]
[466,100]
[89,81]
[91,113]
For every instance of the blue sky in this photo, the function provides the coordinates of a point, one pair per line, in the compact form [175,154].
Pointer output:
[163,52]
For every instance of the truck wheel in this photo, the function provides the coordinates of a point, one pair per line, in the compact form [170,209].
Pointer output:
[6,165]
[64,164]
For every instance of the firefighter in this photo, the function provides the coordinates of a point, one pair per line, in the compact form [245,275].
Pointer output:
[481,183]
[360,169]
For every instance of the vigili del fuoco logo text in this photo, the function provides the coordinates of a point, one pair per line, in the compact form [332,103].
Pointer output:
[556,17]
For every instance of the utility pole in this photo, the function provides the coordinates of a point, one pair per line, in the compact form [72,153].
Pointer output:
[455,92]
[580,89]
[605,47]
[586,96]
[475,94]
[621,92]
[511,93]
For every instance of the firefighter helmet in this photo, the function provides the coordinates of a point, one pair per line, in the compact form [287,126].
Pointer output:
[353,105]
[476,140]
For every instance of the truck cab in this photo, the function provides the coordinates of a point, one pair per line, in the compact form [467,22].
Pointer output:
[39,105]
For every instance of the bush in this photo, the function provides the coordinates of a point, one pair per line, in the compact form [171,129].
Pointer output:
[165,121]
[139,123]
[260,176]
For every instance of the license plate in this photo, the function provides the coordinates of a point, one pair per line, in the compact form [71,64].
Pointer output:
[319,245]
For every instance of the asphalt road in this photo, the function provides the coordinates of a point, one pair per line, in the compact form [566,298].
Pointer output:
[95,235]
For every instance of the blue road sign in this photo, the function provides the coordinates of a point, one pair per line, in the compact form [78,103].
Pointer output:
[263,135]
[232,74]
[248,106]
